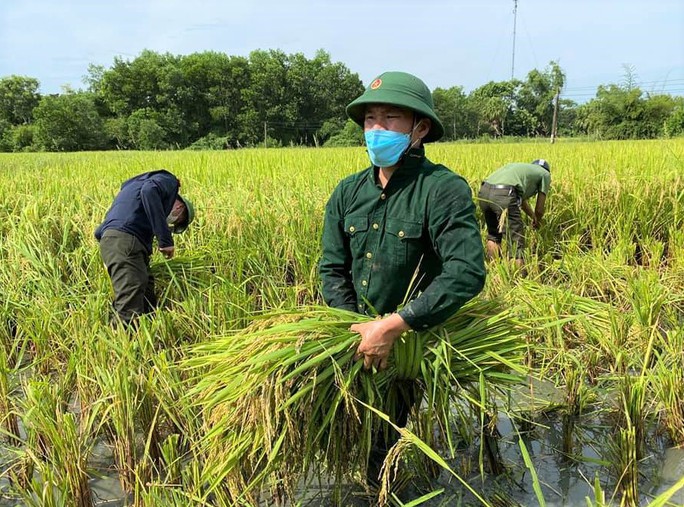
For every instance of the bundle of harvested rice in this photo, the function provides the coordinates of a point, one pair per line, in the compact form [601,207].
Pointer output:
[284,396]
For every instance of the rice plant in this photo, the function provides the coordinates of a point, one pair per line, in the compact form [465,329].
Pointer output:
[278,395]
[602,301]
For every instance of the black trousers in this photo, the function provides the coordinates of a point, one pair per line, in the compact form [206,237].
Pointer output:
[493,201]
[128,265]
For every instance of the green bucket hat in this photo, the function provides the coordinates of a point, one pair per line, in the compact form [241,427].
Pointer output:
[402,90]
[178,229]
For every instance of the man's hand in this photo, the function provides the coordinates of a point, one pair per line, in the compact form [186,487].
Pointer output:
[377,339]
[168,251]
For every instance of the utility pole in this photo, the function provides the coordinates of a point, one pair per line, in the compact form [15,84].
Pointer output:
[554,123]
[515,18]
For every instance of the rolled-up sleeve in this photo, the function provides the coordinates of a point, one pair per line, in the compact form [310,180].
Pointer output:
[456,240]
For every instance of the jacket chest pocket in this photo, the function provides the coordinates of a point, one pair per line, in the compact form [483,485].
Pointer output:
[356,229]
[404,241]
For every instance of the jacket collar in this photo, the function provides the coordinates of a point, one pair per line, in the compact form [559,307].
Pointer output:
[410,161]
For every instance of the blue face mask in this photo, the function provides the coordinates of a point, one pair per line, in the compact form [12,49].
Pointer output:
[386,147]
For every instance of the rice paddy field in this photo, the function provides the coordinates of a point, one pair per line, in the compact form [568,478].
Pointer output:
[241,389]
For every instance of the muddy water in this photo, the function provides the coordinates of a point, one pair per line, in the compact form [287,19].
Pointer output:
[105,483]
[672,469]
[566,481]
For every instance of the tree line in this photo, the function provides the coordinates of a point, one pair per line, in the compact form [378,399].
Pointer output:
[211,100]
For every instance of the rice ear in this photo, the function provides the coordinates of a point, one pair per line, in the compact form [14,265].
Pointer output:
[291,381]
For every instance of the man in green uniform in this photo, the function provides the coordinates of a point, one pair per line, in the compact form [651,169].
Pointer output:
[404,218]
[509,188]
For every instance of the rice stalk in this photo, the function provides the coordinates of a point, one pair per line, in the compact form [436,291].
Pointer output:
[59,445]
[277,395]
[669,380]
[9,424]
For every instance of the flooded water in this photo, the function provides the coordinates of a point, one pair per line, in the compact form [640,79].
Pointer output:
[104,483]
[565,482]
[567,455]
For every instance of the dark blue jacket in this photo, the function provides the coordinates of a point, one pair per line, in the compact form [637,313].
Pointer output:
[141,207]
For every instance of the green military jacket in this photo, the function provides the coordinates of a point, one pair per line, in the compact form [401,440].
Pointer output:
[416,240]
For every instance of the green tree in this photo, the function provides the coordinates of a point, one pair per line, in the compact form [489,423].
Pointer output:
[18,98]
[286,98]
[349,135]
[5,127]
[69,122]
[153,83]
[290,98]
[494,103]
[145,82]
[22,137]
[265,114]
[674,124]
[535,99]
[456,112]
[116,130]
[210,97]
[319,91]
[16,137]
[657,109]
[144,130]
[604,116]
[335,87]
[625,112]
[567,117]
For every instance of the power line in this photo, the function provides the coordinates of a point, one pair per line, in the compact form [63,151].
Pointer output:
[676,91]
[665,82]
[589,93]
[295,123]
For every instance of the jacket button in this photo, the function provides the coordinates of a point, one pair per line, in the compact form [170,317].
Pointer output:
[401,234]
[352,228]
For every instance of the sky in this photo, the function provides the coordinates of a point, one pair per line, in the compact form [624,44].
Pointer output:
[444,42]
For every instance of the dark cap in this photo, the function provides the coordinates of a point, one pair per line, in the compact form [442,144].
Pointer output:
[543,163]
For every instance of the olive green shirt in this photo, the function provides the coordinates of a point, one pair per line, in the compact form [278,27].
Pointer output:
[375,240]
[528,179]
